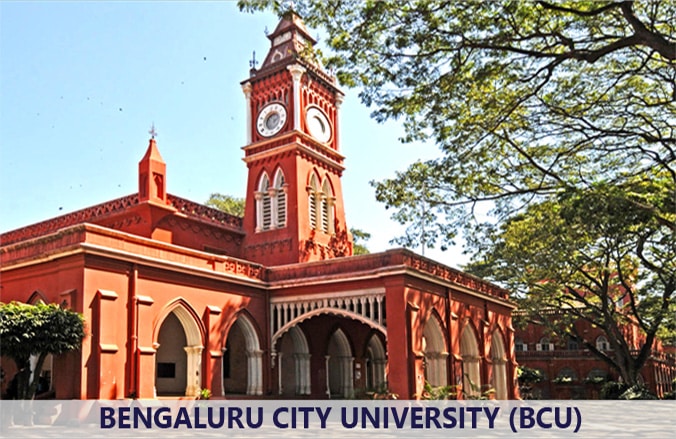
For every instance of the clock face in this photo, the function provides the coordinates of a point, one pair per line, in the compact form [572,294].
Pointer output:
[271,119]
[318,124]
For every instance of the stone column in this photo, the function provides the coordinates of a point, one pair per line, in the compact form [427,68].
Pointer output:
[194,378]
[255,372]
[296,73]
[246,88]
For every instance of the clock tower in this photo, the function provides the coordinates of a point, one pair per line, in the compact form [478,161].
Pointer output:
[294,203]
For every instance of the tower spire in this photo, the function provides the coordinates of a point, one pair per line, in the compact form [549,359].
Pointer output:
[152,172]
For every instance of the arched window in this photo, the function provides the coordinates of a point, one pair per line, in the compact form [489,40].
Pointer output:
[597,376]
[279,205]
[566,375]
[321,204]
[263,204]
[327,208]
[313,193]
[602,343]
[545,345]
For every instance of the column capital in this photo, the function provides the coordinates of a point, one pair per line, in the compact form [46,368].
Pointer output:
[296,71]
[246,88]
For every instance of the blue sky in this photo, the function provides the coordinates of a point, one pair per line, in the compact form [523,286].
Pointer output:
[81,83]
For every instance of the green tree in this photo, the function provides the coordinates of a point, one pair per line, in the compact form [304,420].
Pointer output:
[226,203]
[595,255]
[537,107]
[359,236]
[523,98]
[527,378]
[37,330]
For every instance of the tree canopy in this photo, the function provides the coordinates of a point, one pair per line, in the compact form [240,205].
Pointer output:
[37,330]
[523,98]
[226,203]
[592,256]
[554,119]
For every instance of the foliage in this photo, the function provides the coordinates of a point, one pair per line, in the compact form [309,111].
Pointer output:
[359,236]
[226,203]
[527,375]
[617,390]
[205,394]
[559,116]
[37,330]
[563,379]
[598,255]
[527,378]
[382,393]
[450,392]
[595,380]
[431,392]
[523,98]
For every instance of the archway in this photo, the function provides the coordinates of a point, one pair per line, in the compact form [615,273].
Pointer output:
[434,349]
[499,360]
[471,371]
[339,364]
[178,361]
[243,359]
[294,364]
[376,360]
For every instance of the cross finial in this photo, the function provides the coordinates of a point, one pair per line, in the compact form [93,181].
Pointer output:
[152,131]
[253,61]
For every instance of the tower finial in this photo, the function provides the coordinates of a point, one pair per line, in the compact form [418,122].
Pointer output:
[152,131]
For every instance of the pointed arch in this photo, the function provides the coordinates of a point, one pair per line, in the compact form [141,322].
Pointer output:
[279,209]
[192,339]
[249,342]
[37,297]
[376,360]
[188,317]
[294,363]
[263,203]
[339,365]
[602,343]
[471,357]
[499,360]
[435,351]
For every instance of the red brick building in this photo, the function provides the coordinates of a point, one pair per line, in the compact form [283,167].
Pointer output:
[570,371]
[179,297]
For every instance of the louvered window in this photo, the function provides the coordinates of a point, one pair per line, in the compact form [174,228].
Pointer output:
[267,212]
[326,207]
[280,200]
[263,205]
[312,202]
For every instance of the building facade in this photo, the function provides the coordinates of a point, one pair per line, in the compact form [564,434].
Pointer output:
[179,297]
[571,371]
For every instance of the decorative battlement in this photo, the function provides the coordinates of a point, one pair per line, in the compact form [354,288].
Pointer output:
[386,261]
[99,212]
[205,213]
[93,239]
[89,214]
[445,272]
